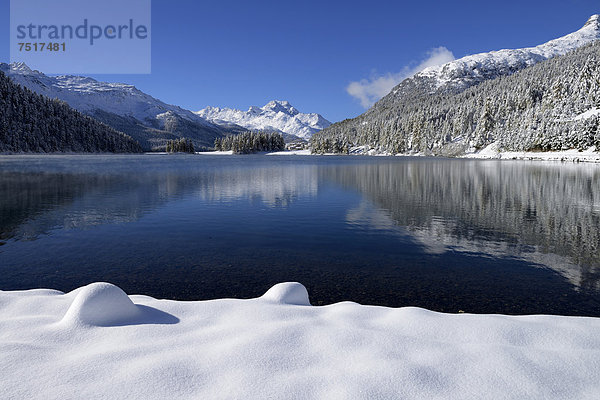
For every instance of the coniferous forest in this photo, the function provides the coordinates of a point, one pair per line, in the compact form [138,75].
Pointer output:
[183,145]
[251,142]
[32,123]
[540,108]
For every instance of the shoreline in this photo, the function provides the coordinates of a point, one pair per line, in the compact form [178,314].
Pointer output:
[491,152]
[565,156]
[572,156]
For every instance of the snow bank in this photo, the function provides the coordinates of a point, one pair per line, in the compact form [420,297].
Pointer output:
[216,153]
[97,342]
[492,151]
[274,153]
[305,152]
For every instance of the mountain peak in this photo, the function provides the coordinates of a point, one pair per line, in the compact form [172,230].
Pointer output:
[20,67]
[471,70]
[283,103]
[593,21]
[276,115]
[280,106]
[389,124]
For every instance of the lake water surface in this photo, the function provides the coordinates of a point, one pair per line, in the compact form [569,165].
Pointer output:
[448,235]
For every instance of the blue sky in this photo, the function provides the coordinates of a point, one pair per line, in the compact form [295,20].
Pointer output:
[243,53]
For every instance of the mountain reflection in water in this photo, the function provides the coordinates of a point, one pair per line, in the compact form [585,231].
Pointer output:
[449,235]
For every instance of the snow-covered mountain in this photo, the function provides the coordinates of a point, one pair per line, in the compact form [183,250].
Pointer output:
[536,98]
[279,116]
[122,106]
[460,74]
[86,94]
[30,123]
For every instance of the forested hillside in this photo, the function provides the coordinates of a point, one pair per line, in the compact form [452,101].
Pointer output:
[151,122]
[33,123]
[552,105]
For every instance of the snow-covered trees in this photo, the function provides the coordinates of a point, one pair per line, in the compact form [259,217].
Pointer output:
[534,109]
[251,142]
[33,123]
[182,145]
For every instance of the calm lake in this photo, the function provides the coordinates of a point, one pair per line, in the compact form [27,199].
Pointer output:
[509,237]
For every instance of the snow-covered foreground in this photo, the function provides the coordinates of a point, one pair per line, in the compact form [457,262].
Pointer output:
[98,343]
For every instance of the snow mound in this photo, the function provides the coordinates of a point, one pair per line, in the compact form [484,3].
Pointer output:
[101,304]
[288,293]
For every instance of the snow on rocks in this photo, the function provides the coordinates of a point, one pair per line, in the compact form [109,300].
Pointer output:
[279,347]
[288,293]
[101,304]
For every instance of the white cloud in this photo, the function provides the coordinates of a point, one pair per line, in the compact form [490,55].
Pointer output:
[368,91]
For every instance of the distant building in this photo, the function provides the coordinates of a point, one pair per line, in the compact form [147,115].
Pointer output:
[299,144]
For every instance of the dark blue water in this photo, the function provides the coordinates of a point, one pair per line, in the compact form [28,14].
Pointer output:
[448,235]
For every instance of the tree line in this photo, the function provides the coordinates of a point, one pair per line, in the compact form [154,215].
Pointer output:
[183,145]
[251,142]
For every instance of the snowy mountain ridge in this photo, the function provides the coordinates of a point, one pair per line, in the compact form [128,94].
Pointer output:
[472,69]
[87,94]
[141,115]
[541,98]
[277,115]
[148,120]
